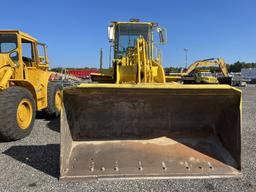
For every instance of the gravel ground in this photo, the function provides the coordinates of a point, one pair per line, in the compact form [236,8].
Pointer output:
[32,164]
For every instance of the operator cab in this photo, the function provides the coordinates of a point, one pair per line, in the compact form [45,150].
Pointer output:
[126,36]
[123,35]
[22,49]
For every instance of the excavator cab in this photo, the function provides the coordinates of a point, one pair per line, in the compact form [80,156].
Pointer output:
[139,126]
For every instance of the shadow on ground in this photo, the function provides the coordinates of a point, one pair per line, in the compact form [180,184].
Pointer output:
[54,122]
[44,158]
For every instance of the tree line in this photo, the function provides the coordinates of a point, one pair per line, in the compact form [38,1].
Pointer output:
[61,69]
[235,67]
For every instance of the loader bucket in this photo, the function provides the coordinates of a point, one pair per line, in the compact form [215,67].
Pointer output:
[150,131]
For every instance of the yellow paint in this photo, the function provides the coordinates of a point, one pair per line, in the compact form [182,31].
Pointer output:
[172,85]
[138,67]
[207,80]
[138,64]
[170,78]
[33,75]
[58,100]
[24,113]
[5,77]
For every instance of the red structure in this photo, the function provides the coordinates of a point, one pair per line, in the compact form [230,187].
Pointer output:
[82,73]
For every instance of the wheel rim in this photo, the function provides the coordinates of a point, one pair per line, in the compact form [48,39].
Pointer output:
[58,100]
[24,114]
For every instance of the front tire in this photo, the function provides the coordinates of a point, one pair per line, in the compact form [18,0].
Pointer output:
[17,113]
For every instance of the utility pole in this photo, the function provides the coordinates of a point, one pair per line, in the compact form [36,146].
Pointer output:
[186,57]
[110,58]
[100,59]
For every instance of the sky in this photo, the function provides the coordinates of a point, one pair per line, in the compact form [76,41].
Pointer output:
[75,30]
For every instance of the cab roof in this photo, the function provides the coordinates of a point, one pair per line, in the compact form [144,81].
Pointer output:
[153,24]
[19,32]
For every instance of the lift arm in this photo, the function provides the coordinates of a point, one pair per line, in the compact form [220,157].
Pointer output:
[207,63]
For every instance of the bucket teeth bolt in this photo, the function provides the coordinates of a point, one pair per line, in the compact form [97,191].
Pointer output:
[164,166]
[116,166]
[92,166]
[187,165]
[210,166]
[140,166]
[91,169]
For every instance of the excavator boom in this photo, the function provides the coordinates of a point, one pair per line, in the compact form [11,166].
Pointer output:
[208,63]
[192,76]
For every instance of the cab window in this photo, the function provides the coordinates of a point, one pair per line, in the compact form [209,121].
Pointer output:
[8,43]
[27,53]
[41,54]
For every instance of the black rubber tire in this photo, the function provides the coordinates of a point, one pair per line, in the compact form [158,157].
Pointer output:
[52,88]
[9,101]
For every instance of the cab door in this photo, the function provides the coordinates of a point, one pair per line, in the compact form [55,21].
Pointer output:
[35,71]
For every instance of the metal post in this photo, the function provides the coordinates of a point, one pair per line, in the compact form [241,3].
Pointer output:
[100,59]
[186,57]
[110,58]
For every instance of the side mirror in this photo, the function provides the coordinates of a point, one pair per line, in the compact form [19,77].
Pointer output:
[162,35]
[14,56]
[111,33]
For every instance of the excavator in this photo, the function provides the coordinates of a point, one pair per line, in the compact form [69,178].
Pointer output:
[194,74]
[136,125]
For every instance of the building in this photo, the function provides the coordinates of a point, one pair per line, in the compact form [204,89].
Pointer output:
[81,73]
[249,73]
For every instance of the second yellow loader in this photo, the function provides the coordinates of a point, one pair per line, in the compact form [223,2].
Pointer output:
[139,126]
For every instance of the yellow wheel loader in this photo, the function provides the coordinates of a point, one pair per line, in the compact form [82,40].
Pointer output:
[139,126]
[26,85]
